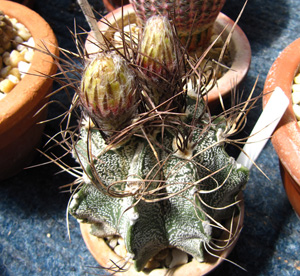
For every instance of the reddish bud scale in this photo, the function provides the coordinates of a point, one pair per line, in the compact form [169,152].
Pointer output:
[108,91]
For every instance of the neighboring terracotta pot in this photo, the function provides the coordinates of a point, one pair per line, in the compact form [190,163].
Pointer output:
[286,137]
[107,258]
[239,48]
[20,132]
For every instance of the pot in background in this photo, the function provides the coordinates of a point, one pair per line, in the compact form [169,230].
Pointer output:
[286,137]
[21,109]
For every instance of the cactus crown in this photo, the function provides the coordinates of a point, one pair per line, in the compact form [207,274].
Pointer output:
[154,166]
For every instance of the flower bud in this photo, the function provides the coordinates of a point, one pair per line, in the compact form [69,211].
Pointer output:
[108,92]
[157,52]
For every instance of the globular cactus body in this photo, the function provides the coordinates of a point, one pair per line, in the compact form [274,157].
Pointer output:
[180,221]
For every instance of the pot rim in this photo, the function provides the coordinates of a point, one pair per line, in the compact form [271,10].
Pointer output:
[239,45]
[286,137]
[28,92]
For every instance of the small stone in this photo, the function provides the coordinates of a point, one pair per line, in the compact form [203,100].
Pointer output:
[20,47]
[30,42]
[13,79]
[296,97]
[6,86]
[296,87]
[23,67]
[168,260]
[296,109]
[28,55]
[19,26]
[113,243]
[121,241]
[24,34]
[15,72]
[14,21]
[18,40]
[6,58]
[297,79]
[13,59]
[121,250]
[178,258]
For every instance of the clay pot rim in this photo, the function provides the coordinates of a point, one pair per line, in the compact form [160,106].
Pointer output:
[26,95]
[239,44]
[286,137]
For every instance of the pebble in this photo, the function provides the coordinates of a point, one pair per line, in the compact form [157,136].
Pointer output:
[297,79]
[121,250]
[178,258]
[6,85]
[296,108]
[23,67]
[296,87]
[113,242]
[121,241]
[296,96]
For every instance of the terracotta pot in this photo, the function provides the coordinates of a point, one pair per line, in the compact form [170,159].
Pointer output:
[286,138]
[106,257]
[239,48]
[20,132]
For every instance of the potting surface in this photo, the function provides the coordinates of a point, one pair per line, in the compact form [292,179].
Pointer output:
[33,232]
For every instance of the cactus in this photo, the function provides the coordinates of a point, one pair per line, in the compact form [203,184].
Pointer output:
[193,19]
[7,32]
[170,183]
[140,210]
